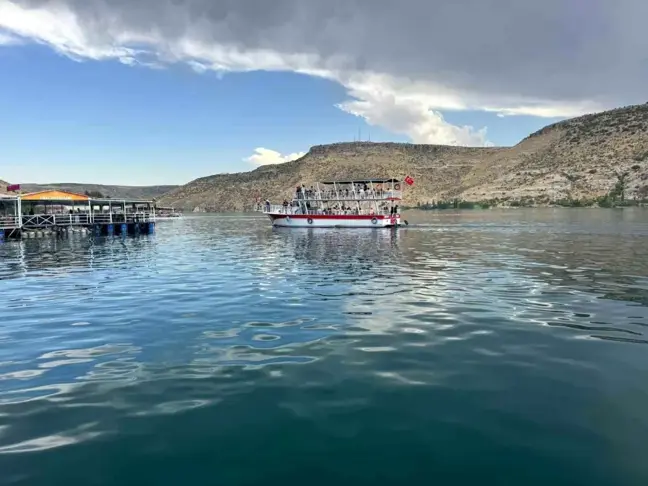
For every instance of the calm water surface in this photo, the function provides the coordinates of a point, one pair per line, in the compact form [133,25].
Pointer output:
[493,347]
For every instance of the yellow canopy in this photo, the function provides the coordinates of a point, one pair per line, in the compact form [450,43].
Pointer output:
[53,196]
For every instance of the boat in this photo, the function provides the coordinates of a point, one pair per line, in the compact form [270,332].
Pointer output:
[164,216]
[167,213]
[368,203]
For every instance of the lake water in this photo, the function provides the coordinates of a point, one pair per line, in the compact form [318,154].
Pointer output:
[492,347]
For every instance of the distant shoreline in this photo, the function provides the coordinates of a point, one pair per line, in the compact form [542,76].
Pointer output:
[611,200]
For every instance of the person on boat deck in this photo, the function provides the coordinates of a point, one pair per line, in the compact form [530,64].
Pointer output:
[285,205]
[267,205]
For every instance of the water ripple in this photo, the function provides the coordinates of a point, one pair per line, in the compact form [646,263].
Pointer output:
[494,334]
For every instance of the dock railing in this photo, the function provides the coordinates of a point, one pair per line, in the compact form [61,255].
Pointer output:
[136,217]
[9,222]
[140,217]
[76,219]
[43,220]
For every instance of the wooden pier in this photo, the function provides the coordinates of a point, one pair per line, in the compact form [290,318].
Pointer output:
[49,213]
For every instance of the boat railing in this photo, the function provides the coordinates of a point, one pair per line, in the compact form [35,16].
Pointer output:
[9,222]
[348,195]
[277,208]
[294,210]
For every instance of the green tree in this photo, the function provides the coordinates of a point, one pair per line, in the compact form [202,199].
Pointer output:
[618,192]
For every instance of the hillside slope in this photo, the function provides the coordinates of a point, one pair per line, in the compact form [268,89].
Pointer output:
[114,192]
[575,158]
[578,158]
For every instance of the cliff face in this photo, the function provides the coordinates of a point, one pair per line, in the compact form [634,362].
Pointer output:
[578,158]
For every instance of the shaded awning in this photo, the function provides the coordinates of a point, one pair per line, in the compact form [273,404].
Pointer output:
[54,196]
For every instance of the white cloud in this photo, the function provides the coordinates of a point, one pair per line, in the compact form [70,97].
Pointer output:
[401,66]
[381,102]
[9,40]
[264,156]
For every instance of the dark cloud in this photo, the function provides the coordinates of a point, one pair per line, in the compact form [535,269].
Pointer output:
[549,49]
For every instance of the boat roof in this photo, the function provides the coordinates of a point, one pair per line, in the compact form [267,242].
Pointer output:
[361,181]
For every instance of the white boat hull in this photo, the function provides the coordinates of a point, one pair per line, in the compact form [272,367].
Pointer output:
[333,221]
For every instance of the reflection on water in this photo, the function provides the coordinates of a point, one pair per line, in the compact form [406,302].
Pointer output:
[508,341]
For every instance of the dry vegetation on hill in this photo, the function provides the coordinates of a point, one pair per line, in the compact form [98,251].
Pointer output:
[574,159]
[113,192]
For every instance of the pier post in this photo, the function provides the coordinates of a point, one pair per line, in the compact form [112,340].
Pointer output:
[151,228]
[96,230]
[123,229]
[2,235]
[110,229]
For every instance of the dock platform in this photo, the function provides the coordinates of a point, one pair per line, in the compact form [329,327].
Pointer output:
[49,213]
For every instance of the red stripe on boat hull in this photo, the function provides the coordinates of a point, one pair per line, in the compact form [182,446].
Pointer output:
[364,217]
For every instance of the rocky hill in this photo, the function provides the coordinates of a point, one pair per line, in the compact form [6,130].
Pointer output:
[578,158]
[113,192]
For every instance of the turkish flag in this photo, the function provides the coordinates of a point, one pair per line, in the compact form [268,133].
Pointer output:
[409,180]
[13,187]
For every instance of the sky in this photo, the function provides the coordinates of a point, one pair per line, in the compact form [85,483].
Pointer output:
[143,92]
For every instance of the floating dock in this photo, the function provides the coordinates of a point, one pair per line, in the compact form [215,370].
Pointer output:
[49,213]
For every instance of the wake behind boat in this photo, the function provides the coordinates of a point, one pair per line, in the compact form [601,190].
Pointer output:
[371,203]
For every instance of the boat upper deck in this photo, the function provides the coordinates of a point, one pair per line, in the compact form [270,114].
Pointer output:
[363,190]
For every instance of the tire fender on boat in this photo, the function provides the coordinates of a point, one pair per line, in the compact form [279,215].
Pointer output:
[310,221]
[374,221]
